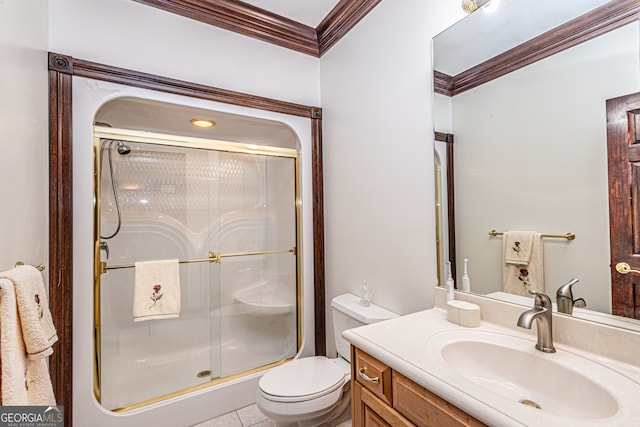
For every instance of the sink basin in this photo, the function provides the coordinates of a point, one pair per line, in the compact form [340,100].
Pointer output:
[508,373]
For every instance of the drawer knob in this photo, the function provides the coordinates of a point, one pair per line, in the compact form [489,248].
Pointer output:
[366,377]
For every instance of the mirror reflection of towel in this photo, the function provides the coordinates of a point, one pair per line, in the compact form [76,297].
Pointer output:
[519,278]
[518,245]
[156,292]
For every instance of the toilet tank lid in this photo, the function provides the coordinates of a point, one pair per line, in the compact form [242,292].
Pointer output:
[349,304]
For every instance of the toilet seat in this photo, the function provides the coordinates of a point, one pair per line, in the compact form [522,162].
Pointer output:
[302,379]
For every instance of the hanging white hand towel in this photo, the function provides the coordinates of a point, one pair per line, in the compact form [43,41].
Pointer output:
[518,279]
[25,381]
[38,331]
[156,293]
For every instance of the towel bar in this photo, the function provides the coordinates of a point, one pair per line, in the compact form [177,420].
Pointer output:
[39,267]
[568,236]
[213,257]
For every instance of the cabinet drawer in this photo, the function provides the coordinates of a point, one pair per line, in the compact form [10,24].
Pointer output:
[374,375]
[424,408]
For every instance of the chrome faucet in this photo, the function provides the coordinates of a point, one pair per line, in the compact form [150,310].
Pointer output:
[541,312]
[564,298]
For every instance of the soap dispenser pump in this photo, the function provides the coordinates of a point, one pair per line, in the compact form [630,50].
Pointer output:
[450,283]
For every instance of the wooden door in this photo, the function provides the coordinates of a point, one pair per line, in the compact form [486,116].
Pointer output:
[623,150]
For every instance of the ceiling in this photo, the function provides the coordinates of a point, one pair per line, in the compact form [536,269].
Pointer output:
[306,26]
[307,12]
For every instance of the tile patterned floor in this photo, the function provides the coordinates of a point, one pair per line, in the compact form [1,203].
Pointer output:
[249,416]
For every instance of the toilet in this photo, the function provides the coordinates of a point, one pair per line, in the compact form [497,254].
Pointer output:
[314,391]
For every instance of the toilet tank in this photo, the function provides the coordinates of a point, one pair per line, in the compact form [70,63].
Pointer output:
[348,313]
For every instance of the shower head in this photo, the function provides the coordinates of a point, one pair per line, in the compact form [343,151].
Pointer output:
[123,149]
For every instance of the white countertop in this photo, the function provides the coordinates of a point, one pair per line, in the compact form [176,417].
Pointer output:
[402,344]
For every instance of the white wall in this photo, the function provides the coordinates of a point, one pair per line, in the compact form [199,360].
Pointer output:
[547,172]
[130,35]
[24,130]
[378,155]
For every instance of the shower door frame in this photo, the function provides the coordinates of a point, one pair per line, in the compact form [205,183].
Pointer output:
[62,68]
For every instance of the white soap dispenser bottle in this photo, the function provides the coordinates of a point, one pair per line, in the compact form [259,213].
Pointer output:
[466,283]
[450,284]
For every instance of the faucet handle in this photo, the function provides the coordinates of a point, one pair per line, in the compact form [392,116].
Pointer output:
[541,299]
[565,290]
[104,246]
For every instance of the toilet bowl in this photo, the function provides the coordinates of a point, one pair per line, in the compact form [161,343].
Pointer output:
[305,392]
[314,391]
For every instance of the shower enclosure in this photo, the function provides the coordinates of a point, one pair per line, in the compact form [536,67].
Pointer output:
[229,213]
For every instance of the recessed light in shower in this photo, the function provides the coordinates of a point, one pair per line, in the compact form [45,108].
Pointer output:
[202,123]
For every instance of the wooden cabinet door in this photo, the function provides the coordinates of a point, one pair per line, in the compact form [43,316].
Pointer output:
[371,419]
[370,411]
[425,409]
[623,155]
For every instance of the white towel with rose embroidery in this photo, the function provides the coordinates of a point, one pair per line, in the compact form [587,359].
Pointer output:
[156,292]
[38,331]
[519,278]
[518,246]
[25,381]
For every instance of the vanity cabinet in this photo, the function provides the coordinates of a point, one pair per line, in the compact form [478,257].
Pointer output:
[381,396]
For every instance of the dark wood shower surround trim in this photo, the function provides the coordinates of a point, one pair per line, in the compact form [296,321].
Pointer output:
[123,76]
[318,235]
[260,24]
[61,70]
[606,18]
[61,230]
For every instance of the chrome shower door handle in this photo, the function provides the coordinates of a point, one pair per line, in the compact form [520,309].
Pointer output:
[366,377]
[624,268]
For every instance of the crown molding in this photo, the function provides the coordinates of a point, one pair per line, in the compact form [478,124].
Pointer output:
[442,83]
[341,20]
[260,24]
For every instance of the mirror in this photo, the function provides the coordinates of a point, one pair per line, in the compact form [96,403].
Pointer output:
[520,92]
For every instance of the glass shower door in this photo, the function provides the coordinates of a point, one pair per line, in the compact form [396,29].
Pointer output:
[162,212]
[257,246]
[229,214]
